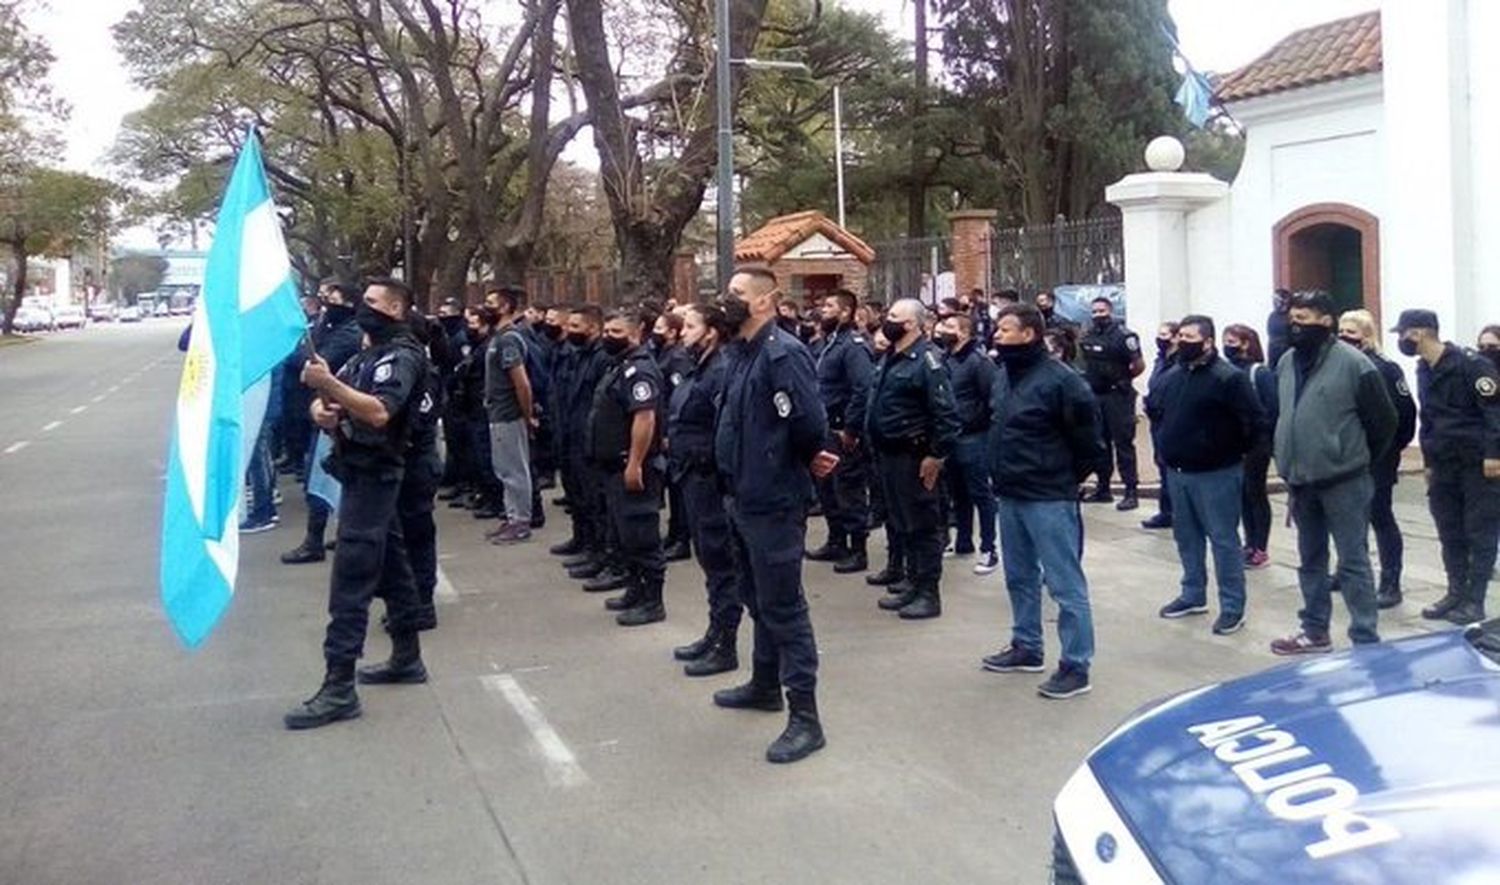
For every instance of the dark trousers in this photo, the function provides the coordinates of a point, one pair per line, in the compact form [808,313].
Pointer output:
[713,541]
[1117,427]
[459,467]
[636,521]
[418,529]
[1164,502]
[1255,503]
[1343,511]
[369,561]
[677,514]
[581,485]
[969,483]
[844,493]
[914,515]
[1388,538]
[484,465]
[768,566]
[1466,508]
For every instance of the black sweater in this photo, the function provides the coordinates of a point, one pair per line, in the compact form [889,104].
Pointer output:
[1208,415]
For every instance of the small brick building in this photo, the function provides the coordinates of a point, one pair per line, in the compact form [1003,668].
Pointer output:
[810,255]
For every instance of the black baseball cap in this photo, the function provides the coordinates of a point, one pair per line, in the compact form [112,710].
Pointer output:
[1416,319]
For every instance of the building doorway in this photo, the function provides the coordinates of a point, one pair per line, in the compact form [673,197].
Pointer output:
[1333,247]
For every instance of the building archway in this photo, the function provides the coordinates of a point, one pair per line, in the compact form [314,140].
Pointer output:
[1334,247]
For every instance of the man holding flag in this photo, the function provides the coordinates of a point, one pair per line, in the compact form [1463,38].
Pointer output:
[368,409]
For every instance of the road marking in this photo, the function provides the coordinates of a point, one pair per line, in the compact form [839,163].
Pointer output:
[444,590]
[78,410]
[52,426]
[99,398]
[560,765]
[114,389]
[17,446]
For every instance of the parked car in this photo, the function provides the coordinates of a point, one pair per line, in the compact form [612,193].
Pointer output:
[33,319]
[69,316]
[130,314]
[1380,764]
[102,313]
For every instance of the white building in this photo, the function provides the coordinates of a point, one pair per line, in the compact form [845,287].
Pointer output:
[1372,170]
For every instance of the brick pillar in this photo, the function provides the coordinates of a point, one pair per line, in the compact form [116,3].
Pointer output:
[972,231]
[591,285]
[685,276]
[561,288]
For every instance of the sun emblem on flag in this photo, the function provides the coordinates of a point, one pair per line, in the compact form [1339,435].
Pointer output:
[194,376]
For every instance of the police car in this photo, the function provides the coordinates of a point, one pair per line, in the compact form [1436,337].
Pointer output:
[1380,764]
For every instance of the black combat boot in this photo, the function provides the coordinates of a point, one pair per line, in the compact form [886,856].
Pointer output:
[310,550]
[570,547]
[721,657]
[335,700]
[698,647]
[611,578]
[677,551]
[894,571]
[404,668]
[835,550]
[858,559]
[762,692]
[1439,610]
[1471,609]
[1389,593]
[926,604]
[804,733]
[1130,502]
[580,558]
[898,596]
[627,600]
[649,609]
[589,569]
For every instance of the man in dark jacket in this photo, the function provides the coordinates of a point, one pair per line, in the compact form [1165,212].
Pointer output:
[972,374]
[1276,327]
[1166,357]
[1044,439]
[1207,417]
[1335,420]
[842,361]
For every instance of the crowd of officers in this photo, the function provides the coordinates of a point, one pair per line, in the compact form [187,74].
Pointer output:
[743,418]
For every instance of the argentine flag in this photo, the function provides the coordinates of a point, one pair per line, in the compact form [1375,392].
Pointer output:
[246,321]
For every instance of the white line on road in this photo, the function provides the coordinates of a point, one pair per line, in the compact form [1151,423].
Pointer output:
[561,766]
[17,446]
[444,590]
[78,410]
[114,389]
[51,426]
[99,398]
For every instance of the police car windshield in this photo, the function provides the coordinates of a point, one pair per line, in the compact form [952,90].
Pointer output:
[1485,638]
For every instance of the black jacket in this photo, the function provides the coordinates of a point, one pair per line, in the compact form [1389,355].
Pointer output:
[911,403]
[1045,433]
[1460,407]
[1388,466]
[973,377]
[844,367]
[1207,416]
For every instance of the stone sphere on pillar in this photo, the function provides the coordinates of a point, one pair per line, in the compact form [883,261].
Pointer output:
[1165,154]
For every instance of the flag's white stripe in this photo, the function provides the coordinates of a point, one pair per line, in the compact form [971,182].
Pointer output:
[195,403]
[264,265]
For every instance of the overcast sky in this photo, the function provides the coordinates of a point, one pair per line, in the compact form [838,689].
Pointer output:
[1217,35]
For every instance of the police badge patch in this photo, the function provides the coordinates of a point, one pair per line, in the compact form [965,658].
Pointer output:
[932,361]
[1132,343]
[676,378]
[783,403]
[382,372]
[641,392]
[1402,389]
[1485,386]
[629,370]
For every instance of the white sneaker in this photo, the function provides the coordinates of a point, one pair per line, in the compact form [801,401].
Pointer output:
[987,563]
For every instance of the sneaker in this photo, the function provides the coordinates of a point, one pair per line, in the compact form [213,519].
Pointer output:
[1014,659]
[276,497]
[1181,608]
[1068,682]
[497,531]
[987,563]
[254,528]
[1303,643]
[1256,559]
[1227,624]
[512,533]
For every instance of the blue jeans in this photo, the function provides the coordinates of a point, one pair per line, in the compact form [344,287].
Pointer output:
[969,477]
[261,474]
[1343,511]
[1046,537]
[1206,508]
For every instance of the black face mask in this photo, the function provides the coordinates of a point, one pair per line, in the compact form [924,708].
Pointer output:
[1233,352]
[380,327]
[807,330]
[1102,324]
[944,340]
[1046,311]
[550,331]
[1021,356]
[1492,354]
[1189,351]
[578,339]
[736,313]
[476,335]
[1306,337]
[893,331]
[829,325]
[658,341]
[1407,346]
[789,325]
[614,346]
[452,324]
[1353,342]
[1163,345]
[338,314]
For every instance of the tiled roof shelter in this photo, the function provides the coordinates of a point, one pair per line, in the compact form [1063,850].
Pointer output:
[1336,50]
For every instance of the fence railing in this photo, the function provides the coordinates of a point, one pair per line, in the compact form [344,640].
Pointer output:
[905,268]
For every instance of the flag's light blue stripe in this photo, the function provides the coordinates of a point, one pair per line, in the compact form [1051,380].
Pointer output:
[319,483]
[193,590]
[270,330]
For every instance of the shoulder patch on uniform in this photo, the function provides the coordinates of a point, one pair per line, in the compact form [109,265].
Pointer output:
[676,378]
[629,371]
[1401,387]
[932,361]
[783,403]
[857,338]
[382,372]
[1485,386]
[641,391]
[1132,343]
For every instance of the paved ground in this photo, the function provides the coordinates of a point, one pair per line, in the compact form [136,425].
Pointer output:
[551,745]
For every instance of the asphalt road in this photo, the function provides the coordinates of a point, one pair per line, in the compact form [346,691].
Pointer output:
[550,746]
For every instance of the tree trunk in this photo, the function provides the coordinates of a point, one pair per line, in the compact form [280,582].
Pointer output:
[17,249]
[452,275]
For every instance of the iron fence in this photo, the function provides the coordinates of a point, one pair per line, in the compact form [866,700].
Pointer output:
[907,268]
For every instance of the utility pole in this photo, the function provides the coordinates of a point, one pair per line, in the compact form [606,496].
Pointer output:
[916,194]
[838,148]
[722,58]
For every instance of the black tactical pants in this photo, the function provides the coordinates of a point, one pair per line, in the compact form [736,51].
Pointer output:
[1466,509]
[845,494]
[419,531]
[370,560]
[1117,426]
[768,565]
[636,521]
[914,517]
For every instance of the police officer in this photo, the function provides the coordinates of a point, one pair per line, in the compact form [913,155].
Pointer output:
[624,443]
[1459,392]
[335,338]
[1111,359]
[912,423]
[676,363]
[844,367]
[690,432]
[585,496]
[972,374]
[424,469]
[369,408]
[769,439]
